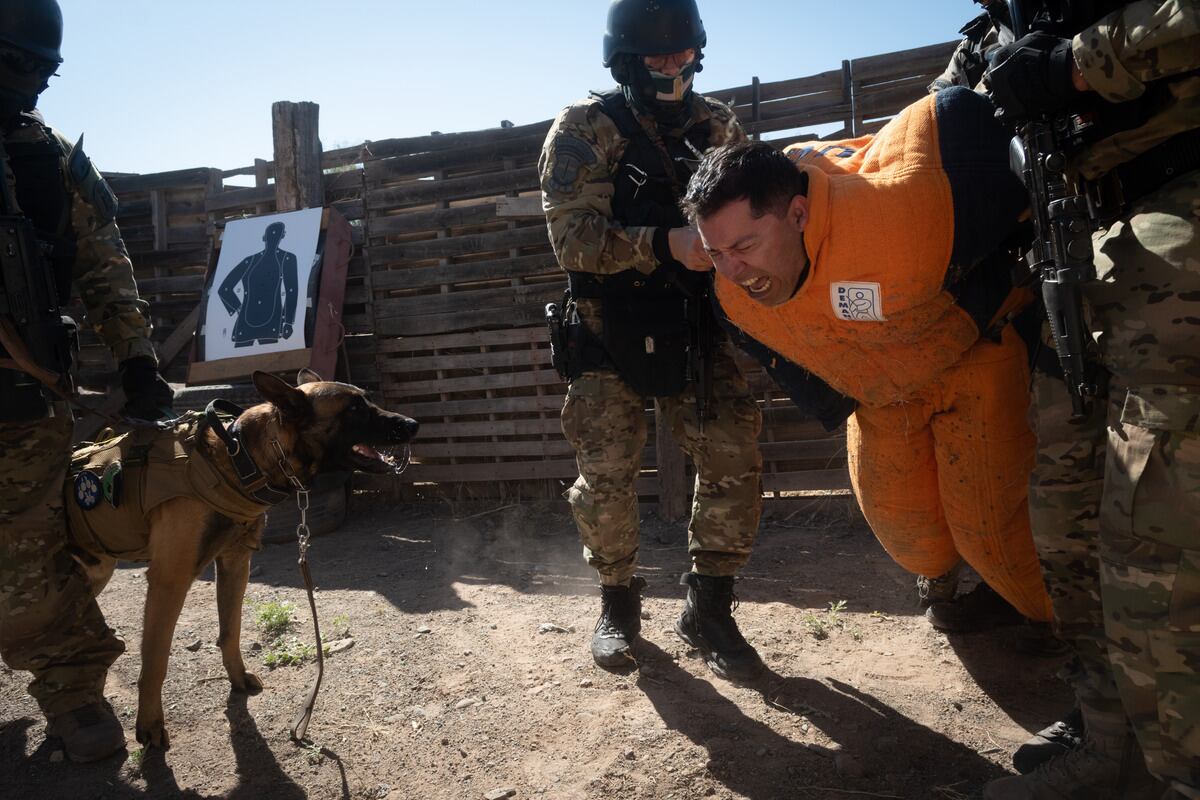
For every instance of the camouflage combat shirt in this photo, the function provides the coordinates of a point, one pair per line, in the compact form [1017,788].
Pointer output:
[1149,41]
[581,154]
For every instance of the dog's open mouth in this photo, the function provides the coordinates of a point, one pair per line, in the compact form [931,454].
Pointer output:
[380,460]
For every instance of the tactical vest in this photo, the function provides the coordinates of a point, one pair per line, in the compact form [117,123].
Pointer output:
[651,321]
[113,485]
[42,194]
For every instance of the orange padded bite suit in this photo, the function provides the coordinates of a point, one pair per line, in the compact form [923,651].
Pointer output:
[939,447]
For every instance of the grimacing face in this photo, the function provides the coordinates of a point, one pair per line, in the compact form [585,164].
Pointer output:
[764,255]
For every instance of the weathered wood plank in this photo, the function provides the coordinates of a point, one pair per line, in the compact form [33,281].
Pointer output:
[423,191]
[417,277]
[887,100]
[467,473]
[171,259]
[421,164]
[821,116]
[807,480]
[418,344]
[438,219]
[491,359]
[175,179]
[512,380]
[526,206]
[500,427]
[551,448]
[460,245]
[892,65]
[671,469]
[388,148]
[461,321]
[240,198]
[485,405]
[429,304]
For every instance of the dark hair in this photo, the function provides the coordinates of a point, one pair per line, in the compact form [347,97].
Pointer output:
[755,171]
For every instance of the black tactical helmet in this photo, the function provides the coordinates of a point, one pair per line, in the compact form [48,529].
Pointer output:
[35,26]
[651,28]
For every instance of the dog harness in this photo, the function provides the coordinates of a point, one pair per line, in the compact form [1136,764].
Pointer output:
[114,483]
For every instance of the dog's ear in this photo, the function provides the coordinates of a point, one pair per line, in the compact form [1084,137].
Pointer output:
[288,399]
[307,375]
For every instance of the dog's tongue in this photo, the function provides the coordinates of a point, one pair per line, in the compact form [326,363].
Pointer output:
[367,452]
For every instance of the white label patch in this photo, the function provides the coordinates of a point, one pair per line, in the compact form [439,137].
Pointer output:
[857,302]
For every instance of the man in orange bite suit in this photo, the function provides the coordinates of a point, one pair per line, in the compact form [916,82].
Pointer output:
[862,267]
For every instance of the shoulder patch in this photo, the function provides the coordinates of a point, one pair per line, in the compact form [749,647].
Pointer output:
[87,490]
[91,184]
[857,301]
[569,155]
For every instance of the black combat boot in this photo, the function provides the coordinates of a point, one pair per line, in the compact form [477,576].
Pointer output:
[619,624]
[1059,738]
[980,609]
[707,625]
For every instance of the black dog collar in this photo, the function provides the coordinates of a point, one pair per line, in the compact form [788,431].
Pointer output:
[253,480]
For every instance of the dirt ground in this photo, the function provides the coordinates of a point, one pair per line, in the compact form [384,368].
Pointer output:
[867,701]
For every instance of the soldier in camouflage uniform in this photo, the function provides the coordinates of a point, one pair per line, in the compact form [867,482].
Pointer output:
[612,170]
[981,37]
[50,624]
[1114,495]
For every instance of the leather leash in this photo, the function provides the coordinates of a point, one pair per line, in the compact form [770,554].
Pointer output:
[300,723]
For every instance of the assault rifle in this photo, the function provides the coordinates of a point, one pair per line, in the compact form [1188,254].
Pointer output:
[32,325]
[1061,253]
[1064,217]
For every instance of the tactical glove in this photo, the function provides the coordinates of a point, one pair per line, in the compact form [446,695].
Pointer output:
[1031,77]
[147,395]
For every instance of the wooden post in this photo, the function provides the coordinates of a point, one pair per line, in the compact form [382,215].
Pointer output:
[755,102]
[672,469]
[849,97]
[262,179]
[158,217]
[298,182]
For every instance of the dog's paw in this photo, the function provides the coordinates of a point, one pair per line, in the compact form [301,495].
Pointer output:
[153,734]
[248,682]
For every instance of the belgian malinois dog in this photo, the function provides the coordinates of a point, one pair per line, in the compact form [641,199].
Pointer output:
[298,432]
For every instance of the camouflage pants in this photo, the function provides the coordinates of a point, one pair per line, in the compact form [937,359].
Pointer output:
[605,421]
[1119,494]
[50,624]
[1064,507]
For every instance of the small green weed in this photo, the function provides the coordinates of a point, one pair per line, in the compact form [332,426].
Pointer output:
[288,652]
[314,753]
[822,625]
[275,618]
[817,626]
[339,628]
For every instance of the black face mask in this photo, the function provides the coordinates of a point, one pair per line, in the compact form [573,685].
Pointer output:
[22,80]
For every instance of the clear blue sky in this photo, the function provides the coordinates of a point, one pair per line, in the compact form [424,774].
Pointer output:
[170,84]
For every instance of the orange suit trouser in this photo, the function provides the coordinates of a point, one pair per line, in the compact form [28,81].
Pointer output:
[945,476]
